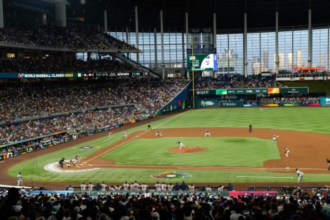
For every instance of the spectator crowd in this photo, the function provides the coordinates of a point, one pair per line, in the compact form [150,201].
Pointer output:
[82,106]
[38,35]
[232,81]
[185,205]
[49,65]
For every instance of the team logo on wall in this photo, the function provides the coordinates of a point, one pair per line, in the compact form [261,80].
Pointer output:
[172,175]
[89,147]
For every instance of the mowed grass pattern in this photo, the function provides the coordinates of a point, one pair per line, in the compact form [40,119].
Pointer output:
[219,152]
[310,119]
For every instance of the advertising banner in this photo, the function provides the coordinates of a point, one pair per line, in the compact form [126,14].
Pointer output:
[247,91]
[294,90]
[231,104]
[202,103]
[325,101]
[211,92]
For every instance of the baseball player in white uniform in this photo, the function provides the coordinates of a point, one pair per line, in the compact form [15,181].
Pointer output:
[144,187]
[103,186]
[126,135]
[181,144]
[170,187]
[90,186]
[83,187]
[110,135]
[275,138]
[158,186]
[19,179]
[163,186]
[207,133]
[208,188]
[158,134]
[300,175]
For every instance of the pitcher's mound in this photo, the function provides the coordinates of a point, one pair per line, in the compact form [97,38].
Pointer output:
[186,150]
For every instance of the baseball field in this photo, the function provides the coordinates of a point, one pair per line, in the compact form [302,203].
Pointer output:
[231,154]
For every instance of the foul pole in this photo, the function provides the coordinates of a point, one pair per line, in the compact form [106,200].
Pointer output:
[193,69]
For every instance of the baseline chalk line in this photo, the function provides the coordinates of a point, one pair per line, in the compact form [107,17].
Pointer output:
[118,145]
[265,177]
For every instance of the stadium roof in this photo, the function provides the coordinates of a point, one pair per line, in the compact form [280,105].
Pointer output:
[230,13]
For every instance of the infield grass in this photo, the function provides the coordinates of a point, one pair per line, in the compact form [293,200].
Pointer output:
[219,152]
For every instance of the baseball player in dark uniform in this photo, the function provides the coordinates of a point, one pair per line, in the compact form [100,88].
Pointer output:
[250,128]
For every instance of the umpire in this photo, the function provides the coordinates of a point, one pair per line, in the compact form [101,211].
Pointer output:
[250,128]
[328,161]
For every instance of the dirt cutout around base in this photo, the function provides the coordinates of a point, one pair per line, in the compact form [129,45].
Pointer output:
[187,150]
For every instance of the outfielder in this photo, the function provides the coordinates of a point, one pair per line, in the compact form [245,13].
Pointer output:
[159,134]
[181,144]
[207,133]
[286,151]
[126,135]
[300,175]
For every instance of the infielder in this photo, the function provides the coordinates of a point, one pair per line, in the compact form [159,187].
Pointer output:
[300,175]
[181,144]
[275,138]
[207,133]
[126,135]
[286,151]
[19,179]
[158,134]
[110,135]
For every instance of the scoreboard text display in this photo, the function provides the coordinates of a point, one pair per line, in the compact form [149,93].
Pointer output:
[202,62]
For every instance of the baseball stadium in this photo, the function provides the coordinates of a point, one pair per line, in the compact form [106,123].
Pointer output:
[164,109]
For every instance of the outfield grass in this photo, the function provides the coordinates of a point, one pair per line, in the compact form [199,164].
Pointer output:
[310,119]
[298,119]
[219,152]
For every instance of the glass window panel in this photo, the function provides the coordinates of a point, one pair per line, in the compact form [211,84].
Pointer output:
[253,53]
[320,45]
[285,55]
[236,53]
[300,48]
[268,51]
[222,50]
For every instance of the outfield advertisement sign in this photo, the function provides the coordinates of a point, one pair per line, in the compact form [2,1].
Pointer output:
[325,101]
[202,103]
[247,91]
[231,104]
[243,91]
[211,92]
[295,90]
[292,105]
